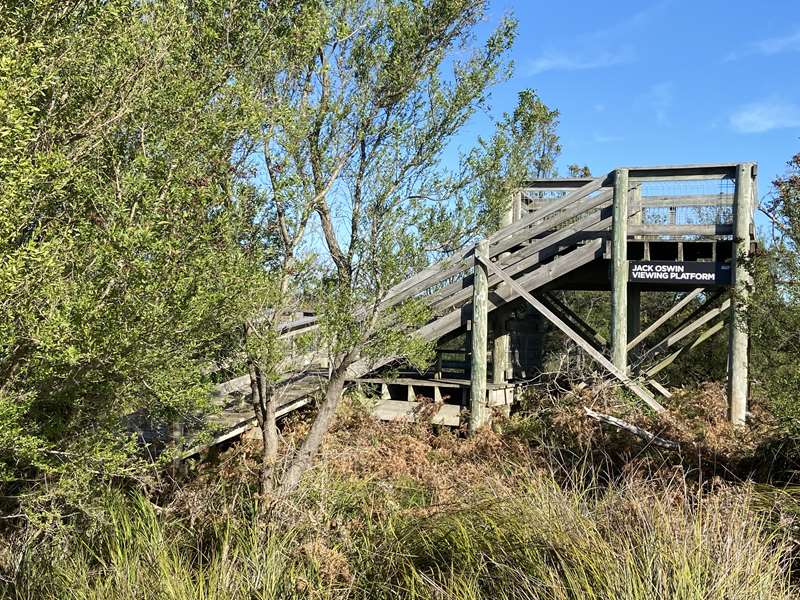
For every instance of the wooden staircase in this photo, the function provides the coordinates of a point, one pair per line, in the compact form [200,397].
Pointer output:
[556,241]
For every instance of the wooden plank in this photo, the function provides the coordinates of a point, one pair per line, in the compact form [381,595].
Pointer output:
[407,412]
[587,347]
[659,388]
[407,381]
[679,306]
[663,364]
[692,327]
[683,172]
[682,230]
[478,410]
[245,425]
[558,183]
[695,200]
[637,431]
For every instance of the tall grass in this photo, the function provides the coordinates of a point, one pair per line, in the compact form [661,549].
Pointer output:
[347,538]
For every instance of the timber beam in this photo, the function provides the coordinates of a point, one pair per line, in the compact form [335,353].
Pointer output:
[620,374]
[566,314]
[665,317]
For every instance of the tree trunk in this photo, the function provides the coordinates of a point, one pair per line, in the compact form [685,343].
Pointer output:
[267,408]
[262,397]
[305,456]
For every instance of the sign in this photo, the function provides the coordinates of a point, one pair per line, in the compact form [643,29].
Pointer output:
[666,272]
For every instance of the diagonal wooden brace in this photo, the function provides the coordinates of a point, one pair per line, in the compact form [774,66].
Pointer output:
[665,317]
[633,386]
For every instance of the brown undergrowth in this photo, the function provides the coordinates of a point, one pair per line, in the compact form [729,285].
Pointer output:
[548,504]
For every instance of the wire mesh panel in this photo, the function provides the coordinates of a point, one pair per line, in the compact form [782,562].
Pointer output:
[687,202]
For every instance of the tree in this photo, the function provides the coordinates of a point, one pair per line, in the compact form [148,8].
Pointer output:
[352,153]
[121,274]
[774,307]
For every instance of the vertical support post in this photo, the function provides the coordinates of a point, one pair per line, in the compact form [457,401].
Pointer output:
[515,210]
[500,362]
[478,410]
[500,348]
[738,334]
[619,271]
[636,205]
[502,338]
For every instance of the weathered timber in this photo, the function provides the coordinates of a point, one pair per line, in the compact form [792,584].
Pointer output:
[738,335]
[619,272]
[478,410]
[532,255]
[620,374]
[408,412]
[445,383]
[691,201]
[452,265]
[568,202]
[664,363]
[679,306]
[676,337]
[576,209]
[650,438]
[562,265]
[659,388]
[681,230]
[557,183]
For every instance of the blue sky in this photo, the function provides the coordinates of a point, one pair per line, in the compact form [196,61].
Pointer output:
[662,83]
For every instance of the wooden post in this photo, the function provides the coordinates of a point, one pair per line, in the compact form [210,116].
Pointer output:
[500,362]
[619,272]
[738,334]
[636,203]
[478,410]
[500,349]
[502,338]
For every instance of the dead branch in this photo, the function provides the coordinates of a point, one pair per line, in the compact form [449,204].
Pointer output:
[629,427]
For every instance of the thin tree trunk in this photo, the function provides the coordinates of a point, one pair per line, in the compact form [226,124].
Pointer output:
[262,397]
[264,406]
[322,423]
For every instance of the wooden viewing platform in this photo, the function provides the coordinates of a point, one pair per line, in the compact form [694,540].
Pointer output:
[681,228]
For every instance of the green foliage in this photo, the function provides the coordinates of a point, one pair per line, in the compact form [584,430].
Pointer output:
[350,151]
[120,273]
[774,311]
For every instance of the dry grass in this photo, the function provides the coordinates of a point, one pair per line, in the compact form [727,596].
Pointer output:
[398,511]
